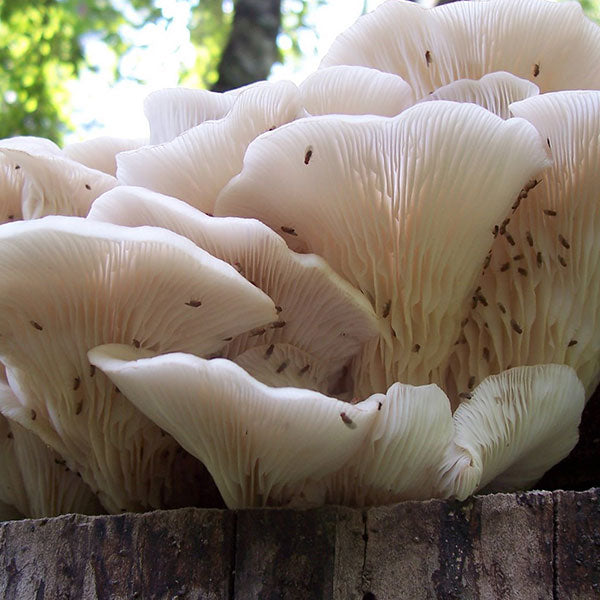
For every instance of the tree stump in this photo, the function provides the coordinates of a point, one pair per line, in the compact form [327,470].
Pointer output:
[519,546]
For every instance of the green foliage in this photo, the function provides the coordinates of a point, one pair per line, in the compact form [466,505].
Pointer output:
[43,49]
[591,8]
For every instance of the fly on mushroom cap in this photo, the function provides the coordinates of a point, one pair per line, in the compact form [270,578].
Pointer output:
[33,478]
[351,90]
[109,283]
[382,204]
[494,91]
[100,153]
[196,165]
[515,427]
[284,365]
[172,111]
[259,443]
[554,301]
[319,312]
[56,185]
[429,48]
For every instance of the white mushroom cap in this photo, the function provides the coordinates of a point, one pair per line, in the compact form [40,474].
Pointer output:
[37,146]
[68,285]
[380,200]
[495,92]
[552,44]
[355,91]
[100,153]
[403,452]
[277,446]
[259,443]
[33,478]
[11,188]
[319,313]
[541,283]
[54,185]
[12,176]
[515,427]
[172,111]
[196,165]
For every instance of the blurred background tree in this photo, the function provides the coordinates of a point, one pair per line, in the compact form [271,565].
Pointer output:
[43,48]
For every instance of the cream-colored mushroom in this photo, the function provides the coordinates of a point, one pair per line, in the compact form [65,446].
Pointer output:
[380,200]
[54,185]
[536,301]
[196,165]
[69,284]
[350,90]
[320,316]
[513,428]
[172,111]
[494,91]
[100,153]
[430,48]
[35,480]
[259,443]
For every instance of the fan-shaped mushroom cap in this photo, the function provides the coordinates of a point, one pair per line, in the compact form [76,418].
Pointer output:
[541,283]
[11,188]
[68,285]
[495,92]
[319,313]
[196,165]
[515,426]
[99,153]
[172,111]
[12,174]
[33,478]
[259,443]
[380,200]
[355,91]
[53,185]
[429,48]
[403,452]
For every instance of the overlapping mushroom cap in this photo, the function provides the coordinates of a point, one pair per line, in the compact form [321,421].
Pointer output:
[448,244]
[322,321]
[350,90]
[494,91]
[259,443]
[551,44]
[196,165]
[55,185]
[537,299]
[69,284]
[34,480]
[100,153]
[172,111]
[380,200]
[267,445]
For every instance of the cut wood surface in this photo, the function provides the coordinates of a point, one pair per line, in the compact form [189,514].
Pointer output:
[519,546]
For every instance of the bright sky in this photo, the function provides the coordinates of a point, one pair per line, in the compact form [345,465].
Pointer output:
[103,110]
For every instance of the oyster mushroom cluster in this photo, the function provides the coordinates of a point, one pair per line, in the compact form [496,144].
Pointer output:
[381,284]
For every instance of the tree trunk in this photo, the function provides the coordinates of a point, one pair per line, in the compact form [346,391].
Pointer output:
[252,47]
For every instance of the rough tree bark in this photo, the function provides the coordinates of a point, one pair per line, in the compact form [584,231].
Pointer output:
[252,46]
[522,546]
